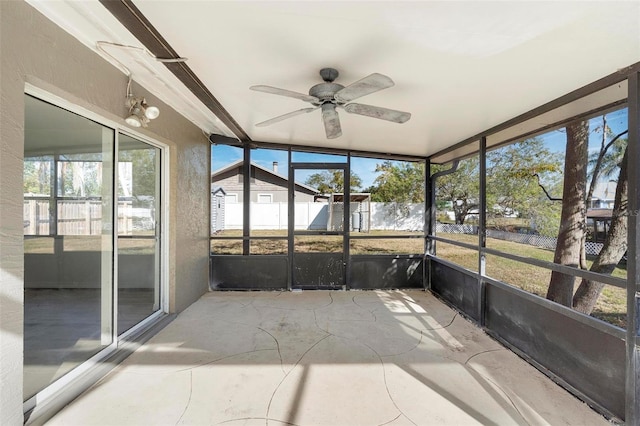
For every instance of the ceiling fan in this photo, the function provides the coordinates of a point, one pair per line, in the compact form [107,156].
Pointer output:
[329,95]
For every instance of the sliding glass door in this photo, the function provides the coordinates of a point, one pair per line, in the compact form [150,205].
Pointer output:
[83,181]
[138,231]
[68,242]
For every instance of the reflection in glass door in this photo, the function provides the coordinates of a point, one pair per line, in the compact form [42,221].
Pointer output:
[138,231]
[68,242]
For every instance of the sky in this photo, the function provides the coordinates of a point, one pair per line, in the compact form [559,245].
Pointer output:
[617,120]
[222,155]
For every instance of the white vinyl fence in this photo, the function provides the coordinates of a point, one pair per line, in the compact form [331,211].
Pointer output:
[314,216]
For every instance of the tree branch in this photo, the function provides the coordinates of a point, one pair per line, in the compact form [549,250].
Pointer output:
[596,168]
[611,142]
[545,191]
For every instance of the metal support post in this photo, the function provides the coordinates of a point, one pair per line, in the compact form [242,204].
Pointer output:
[429,225]
[246,199]
[346,223]
[482,227]
[632,401]
[291,206]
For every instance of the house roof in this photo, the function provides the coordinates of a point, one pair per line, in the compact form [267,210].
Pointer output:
[217,189]
[360,196]
[239,163]
[600,213]
[459,68]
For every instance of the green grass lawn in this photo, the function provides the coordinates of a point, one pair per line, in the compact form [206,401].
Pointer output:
[319,243]
[611,306]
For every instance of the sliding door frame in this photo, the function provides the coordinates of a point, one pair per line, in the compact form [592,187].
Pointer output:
[68,380]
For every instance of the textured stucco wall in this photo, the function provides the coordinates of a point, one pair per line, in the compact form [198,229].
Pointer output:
[36,51]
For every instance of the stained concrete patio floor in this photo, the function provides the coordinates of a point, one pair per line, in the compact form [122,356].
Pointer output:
[324,358]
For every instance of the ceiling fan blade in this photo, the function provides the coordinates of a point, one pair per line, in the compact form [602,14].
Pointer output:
[284,92]
[378,112]
[331,121]
[285,116]
[370,84]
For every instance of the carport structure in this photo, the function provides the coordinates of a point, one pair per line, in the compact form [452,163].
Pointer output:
[475,76]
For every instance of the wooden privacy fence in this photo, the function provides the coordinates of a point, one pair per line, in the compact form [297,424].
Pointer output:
[81,217]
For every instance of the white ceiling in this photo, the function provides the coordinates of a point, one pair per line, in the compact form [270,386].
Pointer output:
[459,67]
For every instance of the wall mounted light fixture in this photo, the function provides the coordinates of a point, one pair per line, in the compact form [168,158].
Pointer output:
[139,111]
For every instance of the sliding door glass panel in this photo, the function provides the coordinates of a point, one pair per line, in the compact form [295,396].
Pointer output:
[68,242]
[138,231]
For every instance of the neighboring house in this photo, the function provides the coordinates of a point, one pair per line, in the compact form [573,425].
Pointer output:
[267,186]
[600,211]
[603,195]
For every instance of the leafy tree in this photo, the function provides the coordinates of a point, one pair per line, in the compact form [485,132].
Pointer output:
[399,182]
[606,162]
[545,220]
[572,222]
[515,175]
[37,175]
[80,178]
[332,181]
[143,163]
[461,188]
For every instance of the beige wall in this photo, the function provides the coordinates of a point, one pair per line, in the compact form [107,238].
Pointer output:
[34,50]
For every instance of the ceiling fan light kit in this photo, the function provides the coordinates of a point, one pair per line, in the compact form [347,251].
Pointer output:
[329,95]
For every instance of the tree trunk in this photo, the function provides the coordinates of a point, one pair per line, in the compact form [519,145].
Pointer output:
[615,245]
[460,211]
[572,218]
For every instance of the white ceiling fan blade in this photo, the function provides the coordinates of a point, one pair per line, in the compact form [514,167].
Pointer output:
[378,112]
[284,92]
[285,116]
[331,121]
[370,84]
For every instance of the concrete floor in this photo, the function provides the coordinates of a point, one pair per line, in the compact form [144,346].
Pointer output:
[324,358]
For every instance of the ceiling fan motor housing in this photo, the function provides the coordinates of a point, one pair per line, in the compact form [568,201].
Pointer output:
[325,91]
